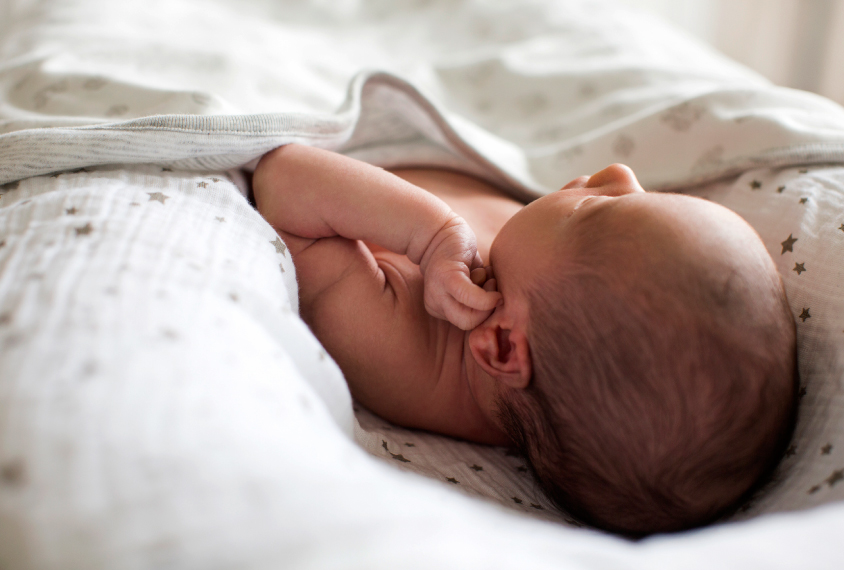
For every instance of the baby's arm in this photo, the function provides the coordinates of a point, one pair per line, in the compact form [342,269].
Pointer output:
[315,194]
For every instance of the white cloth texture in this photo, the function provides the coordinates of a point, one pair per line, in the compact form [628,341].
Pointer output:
[533,92]
[159,407]
[161,403]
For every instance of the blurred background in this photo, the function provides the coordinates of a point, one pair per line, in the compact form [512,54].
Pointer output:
[795,43]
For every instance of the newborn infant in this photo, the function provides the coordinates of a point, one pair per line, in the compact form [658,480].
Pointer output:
[636,347]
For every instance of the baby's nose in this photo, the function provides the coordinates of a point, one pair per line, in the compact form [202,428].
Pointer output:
[615,180]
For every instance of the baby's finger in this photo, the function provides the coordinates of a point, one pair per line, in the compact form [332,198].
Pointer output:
[463,317]
[490,285]
[478,275]
[468,294]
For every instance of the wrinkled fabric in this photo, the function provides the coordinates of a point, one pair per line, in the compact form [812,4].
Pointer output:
[531,94]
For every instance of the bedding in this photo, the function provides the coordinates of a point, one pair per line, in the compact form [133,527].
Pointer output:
[576,85]
[161,403]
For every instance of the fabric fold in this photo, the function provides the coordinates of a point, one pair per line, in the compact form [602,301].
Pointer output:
[527,104]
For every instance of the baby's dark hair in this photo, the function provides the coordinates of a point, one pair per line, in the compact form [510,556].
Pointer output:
[656,404]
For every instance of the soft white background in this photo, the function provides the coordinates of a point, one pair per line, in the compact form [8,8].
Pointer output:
[794,43]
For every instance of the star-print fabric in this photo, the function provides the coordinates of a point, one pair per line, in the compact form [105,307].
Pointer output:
[527,94]
[799,213]
[158,391]
[149,239]
[161,403]
[494,474]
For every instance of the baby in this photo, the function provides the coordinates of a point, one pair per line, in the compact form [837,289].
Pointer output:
[636,347]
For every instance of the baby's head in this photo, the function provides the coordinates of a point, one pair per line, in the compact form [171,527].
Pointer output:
[644,357]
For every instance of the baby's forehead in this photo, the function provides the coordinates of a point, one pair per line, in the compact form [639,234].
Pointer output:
[658,216]
[660,234]
[646,235]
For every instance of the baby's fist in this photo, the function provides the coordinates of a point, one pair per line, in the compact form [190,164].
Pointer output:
[452,270]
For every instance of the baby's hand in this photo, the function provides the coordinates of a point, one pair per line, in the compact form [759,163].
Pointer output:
[448,265]
[484,277]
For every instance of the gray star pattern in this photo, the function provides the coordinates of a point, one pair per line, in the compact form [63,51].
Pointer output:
[279,246]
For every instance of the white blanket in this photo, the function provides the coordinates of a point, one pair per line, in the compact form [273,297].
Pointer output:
[530,93]
[161,405]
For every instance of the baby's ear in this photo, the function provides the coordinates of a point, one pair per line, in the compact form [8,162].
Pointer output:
[503,351]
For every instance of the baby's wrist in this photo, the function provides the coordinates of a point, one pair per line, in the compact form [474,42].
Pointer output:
[431,240]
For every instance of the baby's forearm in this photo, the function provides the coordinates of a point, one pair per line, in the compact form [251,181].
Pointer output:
[315,193]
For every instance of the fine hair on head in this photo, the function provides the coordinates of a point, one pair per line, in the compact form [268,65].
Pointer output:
[662,394]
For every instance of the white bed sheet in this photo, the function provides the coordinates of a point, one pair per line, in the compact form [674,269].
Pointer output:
[160,402]
[152,419]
